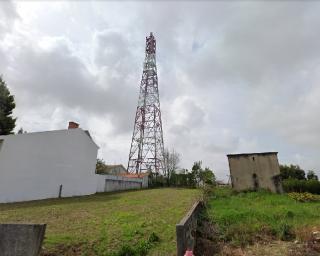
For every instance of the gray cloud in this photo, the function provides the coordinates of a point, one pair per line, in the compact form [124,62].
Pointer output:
[57,78]
[8,15]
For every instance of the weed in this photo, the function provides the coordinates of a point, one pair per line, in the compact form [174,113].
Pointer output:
[126,250]
[243,218]
[290,214]
[207,192]
[139,249]
[100,248]
[286,232]
[153,238]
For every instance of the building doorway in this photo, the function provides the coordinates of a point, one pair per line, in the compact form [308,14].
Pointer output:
[255,181]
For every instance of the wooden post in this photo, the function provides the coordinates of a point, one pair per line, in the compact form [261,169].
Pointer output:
[60,191]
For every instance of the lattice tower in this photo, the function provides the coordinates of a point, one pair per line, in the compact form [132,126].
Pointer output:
[146,151]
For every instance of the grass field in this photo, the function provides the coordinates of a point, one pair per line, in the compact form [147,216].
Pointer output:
[104,223]
[244,218]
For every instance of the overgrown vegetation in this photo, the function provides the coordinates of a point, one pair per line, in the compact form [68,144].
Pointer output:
[197,177]
[294,179]
[108,223]
[244,218]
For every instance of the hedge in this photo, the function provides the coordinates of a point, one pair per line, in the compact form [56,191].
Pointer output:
[293,185]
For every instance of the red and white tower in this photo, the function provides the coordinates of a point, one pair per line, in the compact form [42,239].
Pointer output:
[146,151]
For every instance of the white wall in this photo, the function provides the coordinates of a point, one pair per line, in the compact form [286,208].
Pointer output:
[108,183]
[33,165]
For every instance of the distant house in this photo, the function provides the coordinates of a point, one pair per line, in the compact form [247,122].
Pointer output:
[47,164]
[254,171]
[113,169]
[143,176]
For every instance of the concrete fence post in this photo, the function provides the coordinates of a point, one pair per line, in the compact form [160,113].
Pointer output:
[181,239]
[186,230]
[21,239]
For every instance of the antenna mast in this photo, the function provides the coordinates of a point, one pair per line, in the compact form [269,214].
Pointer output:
[146,151]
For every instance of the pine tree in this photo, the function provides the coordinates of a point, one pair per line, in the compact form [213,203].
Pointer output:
[7,104]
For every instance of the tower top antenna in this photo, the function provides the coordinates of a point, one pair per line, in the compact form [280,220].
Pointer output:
[150,44]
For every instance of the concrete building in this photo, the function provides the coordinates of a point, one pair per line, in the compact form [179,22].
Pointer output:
[45,164]
[254,171]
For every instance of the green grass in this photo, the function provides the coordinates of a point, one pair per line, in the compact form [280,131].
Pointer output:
[244,218]
[107,221]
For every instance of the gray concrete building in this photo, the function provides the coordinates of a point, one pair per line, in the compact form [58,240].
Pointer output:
[254,171]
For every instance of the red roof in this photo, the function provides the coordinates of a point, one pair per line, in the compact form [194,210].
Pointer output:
[132,175]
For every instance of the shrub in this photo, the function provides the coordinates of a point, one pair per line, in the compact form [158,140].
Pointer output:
[207,192]
[304,197]
[293,185]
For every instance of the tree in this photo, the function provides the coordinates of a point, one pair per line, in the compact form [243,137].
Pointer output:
[292,172]
[171,163]
[100,166]
[208,176]
[21,131]
[7,104]
[202,176]
[311,175]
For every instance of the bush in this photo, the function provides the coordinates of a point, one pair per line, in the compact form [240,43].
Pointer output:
[304,197]
[293,185]
[207,192]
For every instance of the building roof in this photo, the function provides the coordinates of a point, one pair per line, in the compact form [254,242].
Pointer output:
[3,137]
[252,154]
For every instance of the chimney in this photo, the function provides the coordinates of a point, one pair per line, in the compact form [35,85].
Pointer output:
[73,125]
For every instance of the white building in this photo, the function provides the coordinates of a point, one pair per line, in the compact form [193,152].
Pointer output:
[114,169]
[45,164]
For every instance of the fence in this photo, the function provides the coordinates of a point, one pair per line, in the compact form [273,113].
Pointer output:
[109,183]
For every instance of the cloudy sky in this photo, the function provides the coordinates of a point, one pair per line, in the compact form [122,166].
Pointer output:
[233,76]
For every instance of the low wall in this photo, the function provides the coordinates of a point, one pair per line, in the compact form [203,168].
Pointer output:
[186,229]
[109,183]
[21,239]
